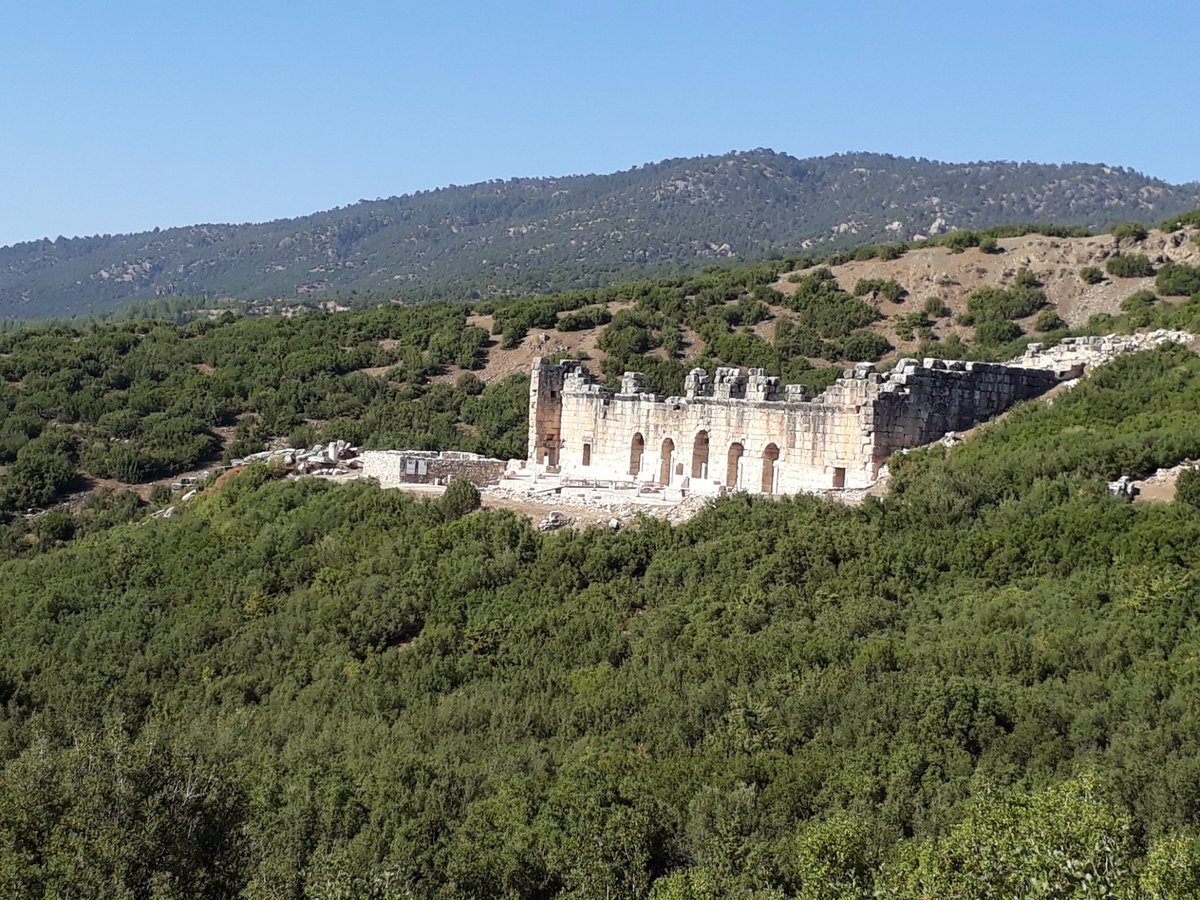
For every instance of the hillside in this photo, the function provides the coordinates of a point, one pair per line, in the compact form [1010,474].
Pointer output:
[87,411]
[983,682]
[541,234]
[980,680]
[922,273]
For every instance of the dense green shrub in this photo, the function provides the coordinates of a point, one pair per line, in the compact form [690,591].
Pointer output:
[37,476]
[1048,320]
[958,241]
[793,340]
[1178,280]
[1005,303]
[906,324]
[888,288]
[862,345]
[1177,222]
[970,687]
[1138,302]
[993,332]
[935,308]
[989,244]
[590,317]
[1129,265]
[825,308]
[1091,275]
[1129,231]
[1026,279]
[461,497]
[1187,488]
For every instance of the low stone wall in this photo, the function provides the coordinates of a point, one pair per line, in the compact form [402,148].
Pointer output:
[1085,353]
[394,467]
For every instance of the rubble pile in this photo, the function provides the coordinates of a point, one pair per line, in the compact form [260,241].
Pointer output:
[1123,487]
[334,458]
[1161,476]
[616,503]
[554,521]
[1085,353]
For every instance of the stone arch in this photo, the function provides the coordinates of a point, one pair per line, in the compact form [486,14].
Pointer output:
[770,480]
[700,455]
[666,457]
[637,448]
[733,467]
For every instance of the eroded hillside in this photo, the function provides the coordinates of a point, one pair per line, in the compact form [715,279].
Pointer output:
[1055,266]
[545,234]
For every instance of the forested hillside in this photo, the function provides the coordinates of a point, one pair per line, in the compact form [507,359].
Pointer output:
[984,685]
[89,412]
[541,234]
[981,685]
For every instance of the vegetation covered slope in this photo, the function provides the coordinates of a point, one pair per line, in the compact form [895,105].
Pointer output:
[983,686]
[578,231]
[133,403]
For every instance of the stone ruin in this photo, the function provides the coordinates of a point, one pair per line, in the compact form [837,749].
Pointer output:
[1073,356]
[394,467]
[740,431]
[334,458]
[389,467]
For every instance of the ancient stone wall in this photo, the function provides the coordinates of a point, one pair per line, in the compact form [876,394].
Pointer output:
[545,409]
[734,431]
[393,467]
[1075,355]
[918,403]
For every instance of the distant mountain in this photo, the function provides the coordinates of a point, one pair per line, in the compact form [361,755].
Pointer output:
[576,231]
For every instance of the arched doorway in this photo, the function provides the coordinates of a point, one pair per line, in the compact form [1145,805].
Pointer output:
[700,455]
[637,449]
[667,457]
[733,468]
[770,478]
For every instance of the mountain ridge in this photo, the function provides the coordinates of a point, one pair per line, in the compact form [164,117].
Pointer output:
[558,232]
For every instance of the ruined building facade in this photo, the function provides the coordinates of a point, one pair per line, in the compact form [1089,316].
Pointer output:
[741,431]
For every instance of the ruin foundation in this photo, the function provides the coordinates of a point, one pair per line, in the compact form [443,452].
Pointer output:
[394,467]
[740,431]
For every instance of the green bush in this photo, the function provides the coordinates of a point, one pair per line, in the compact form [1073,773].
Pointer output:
[461,497]
[1129,231]
[958,241]
[994,332]
[1138,302]
[591,317]
[36,478]
[888,288]
[935,308]
[1091,275]
[823,307]
[1005,303]
[1048,320]
[1177,222]
[989,245]
[1187,488]
[1026,279]
[1130,265]
[864,345]
[1178,280]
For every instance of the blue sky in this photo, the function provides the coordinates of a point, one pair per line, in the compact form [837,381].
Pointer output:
[121,116]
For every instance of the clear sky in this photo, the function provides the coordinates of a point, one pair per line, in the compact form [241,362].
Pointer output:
[120,115]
